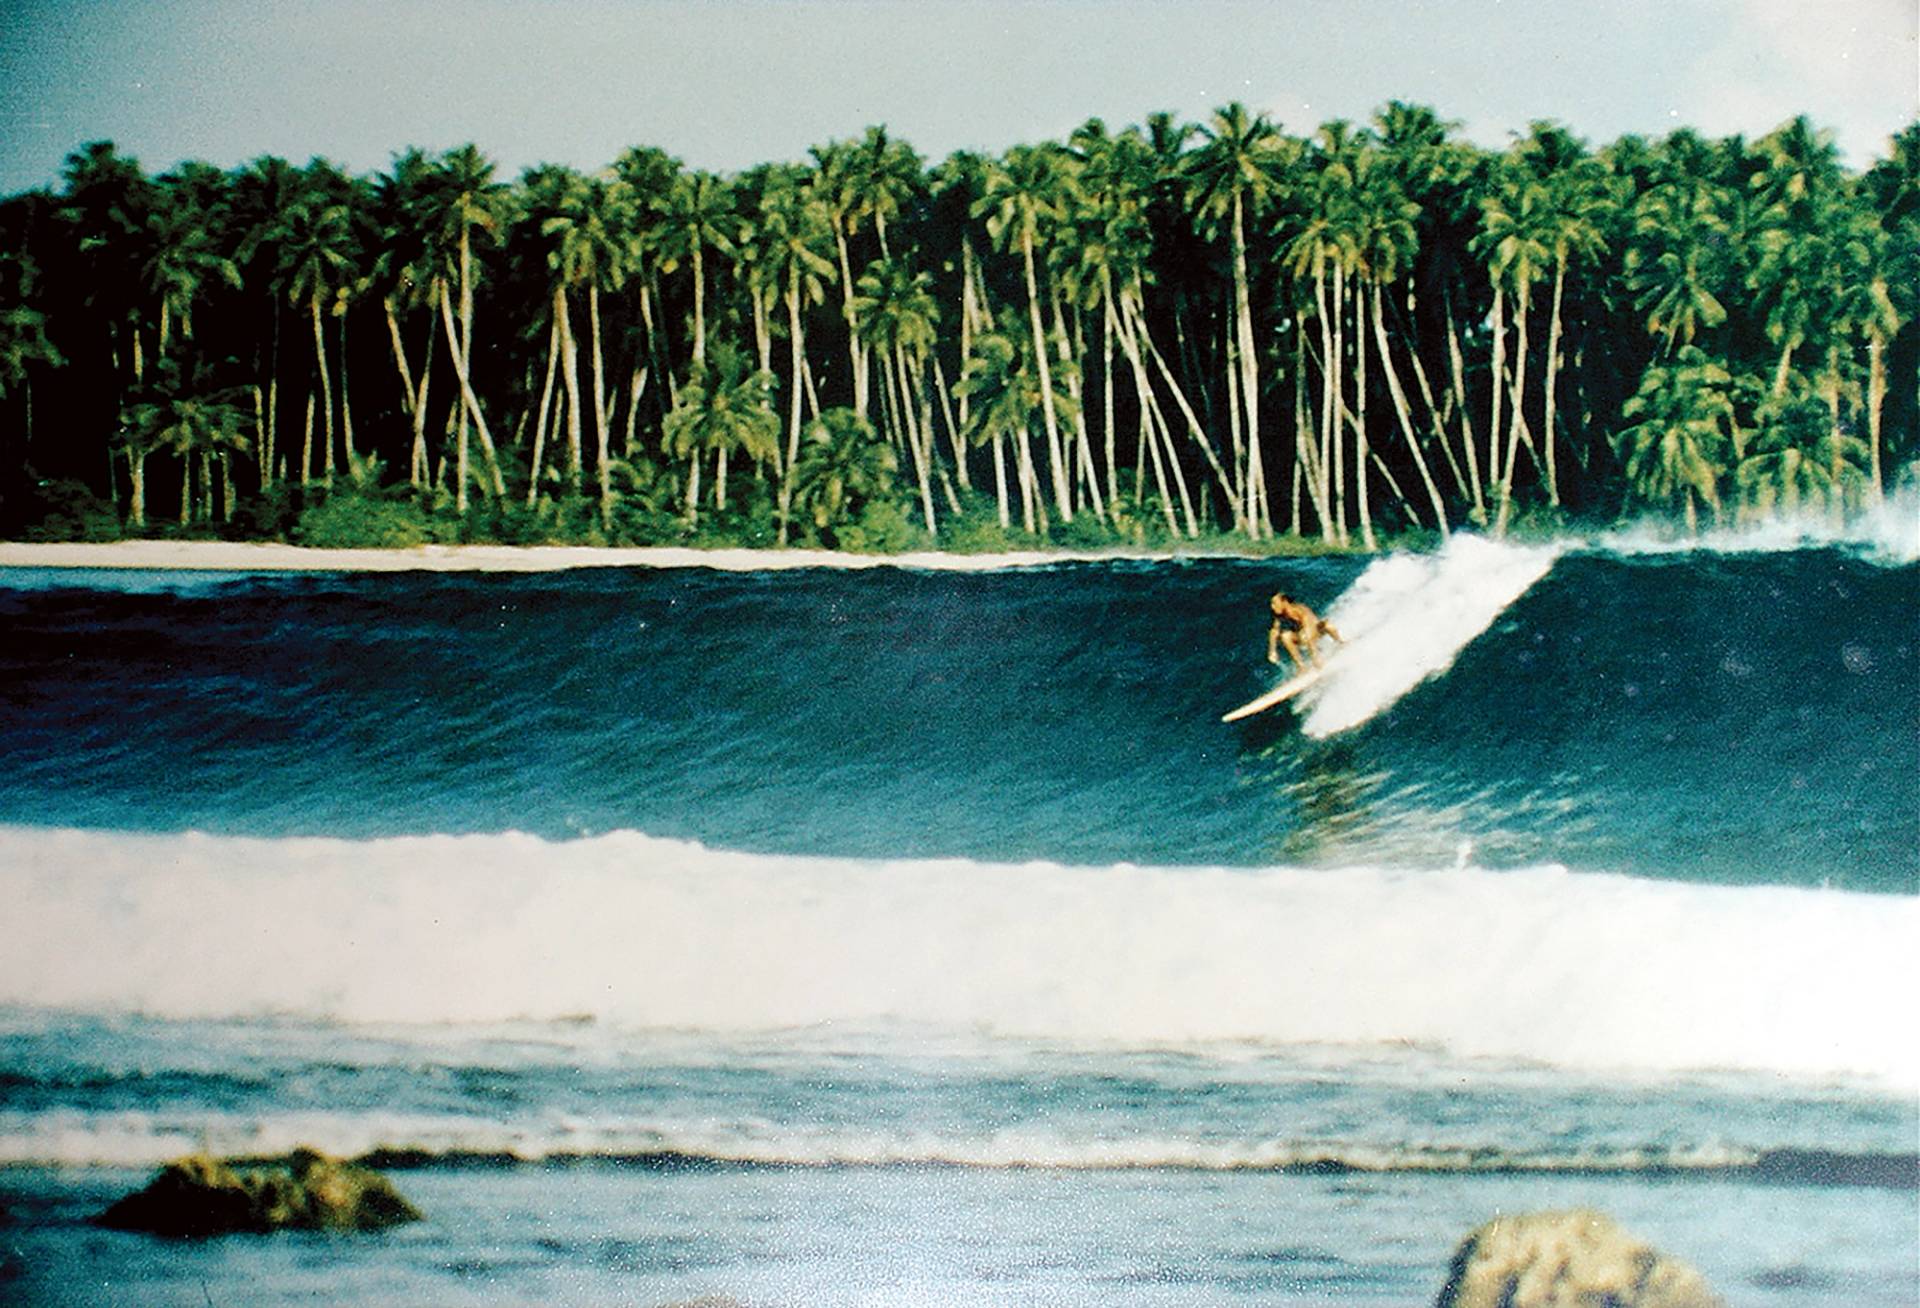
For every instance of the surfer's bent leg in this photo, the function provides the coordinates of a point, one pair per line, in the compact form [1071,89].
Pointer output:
[1291,640]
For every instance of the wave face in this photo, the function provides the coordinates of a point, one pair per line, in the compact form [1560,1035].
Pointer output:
[1705,715]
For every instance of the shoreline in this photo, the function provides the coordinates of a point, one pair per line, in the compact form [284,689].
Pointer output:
[243,556]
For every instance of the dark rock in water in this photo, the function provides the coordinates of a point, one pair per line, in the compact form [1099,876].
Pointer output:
[199,1195]
[1579,1259]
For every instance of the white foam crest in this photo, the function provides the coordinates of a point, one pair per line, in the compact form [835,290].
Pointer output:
[1593,972]
[99,562]
[132,1139]
[1888,531]
[1408,616]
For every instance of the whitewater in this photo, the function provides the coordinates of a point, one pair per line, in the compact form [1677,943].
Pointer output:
[917,932]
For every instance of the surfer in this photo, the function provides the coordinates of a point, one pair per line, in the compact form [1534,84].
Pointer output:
[1296,626]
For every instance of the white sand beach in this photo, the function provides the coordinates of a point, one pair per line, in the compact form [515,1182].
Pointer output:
[237,556]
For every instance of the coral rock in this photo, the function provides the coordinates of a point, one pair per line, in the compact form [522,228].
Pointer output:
[198,1196]
[1579,1259]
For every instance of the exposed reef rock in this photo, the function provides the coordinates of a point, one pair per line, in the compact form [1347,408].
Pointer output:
[200,1196]
[1579,1259]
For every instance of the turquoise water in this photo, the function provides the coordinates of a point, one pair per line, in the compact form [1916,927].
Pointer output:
[911,935]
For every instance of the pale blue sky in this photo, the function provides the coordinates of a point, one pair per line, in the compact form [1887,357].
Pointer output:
[727,83]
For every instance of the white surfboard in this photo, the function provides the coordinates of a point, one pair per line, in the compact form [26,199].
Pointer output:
[1286,690]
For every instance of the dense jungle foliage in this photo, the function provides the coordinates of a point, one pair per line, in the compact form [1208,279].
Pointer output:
[1168,333]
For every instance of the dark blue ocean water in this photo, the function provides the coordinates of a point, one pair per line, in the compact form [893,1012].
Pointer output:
[1707,717]
[921,935]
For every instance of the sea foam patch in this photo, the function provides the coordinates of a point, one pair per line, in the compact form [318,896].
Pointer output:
[1567,970]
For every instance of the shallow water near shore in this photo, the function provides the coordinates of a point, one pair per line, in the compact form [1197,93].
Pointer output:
[920,935]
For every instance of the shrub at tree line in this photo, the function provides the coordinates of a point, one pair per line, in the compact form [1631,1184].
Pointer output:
[1162,335]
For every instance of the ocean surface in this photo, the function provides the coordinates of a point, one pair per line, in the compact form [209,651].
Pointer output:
[916,935]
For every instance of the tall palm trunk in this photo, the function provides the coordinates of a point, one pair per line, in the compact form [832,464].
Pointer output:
[1135,316]
[1332,490]
[1876,399]
[1070,346]
[326,392]
[1518,420]
[1402,412]
[259,425]
[1249,367]
[1055,464]
[1107,388]
[896,372]
[347,451]
[1497,385]
[1437,420]
[1784,369]
[546,406]
[468,408]
[1362,447]
[1154,430]
[410,402]
[856,349]
[600,407]
[969,314]
[796,351]
[570,375]
[699,302]
[1459,367]
[269,453]
[306,443]
[463,349]
[1547,435]
[137,488]
[1307,472]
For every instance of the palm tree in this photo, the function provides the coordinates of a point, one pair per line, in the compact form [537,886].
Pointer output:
[1236,170]
[405,278]
[257,197]
[698,215]
[464,202]
[1676,264]
[1322,244]
[592,245]
[650,175]
[1516,240]
[1796,185]
[1892,190]
[551,195]
[898,317]
[881,175]
[1026,192]
[24,343]
[843,464]
[1386,245]
[871,178]
[184,252]
[1112,249]
[1004,383]
[1431,174]
[315,249]
[106,208]
[1784,467]
[958,184]
[188,423]
[1681,434]
[724,406]
[790,240]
